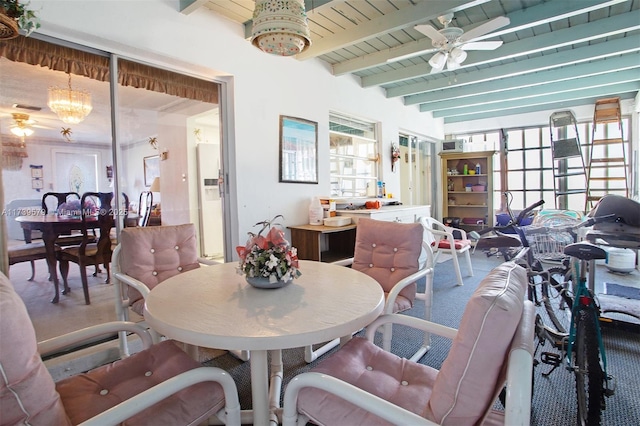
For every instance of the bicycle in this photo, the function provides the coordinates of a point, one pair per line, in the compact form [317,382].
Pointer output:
[574,332]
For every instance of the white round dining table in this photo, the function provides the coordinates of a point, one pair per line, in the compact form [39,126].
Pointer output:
[215,307]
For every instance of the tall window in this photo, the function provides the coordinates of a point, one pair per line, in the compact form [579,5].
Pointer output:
[529,173]
[353,157]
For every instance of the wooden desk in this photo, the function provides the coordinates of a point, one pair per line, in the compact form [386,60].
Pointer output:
[214,307]
[308,240]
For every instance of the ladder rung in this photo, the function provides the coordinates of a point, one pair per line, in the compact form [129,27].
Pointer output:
[594,197]
[606,141]
[570,174]
[608,160]
[571,191]
[609,178]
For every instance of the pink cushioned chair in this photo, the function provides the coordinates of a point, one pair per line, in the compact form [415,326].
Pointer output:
[441,239]
[160,385]
[144,258]
[361,384]
[390,252]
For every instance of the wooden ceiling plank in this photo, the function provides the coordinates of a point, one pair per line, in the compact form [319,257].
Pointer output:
[554,60]
[520,20]
[544,99]
[534,90]
[599,67]
[553,40]
[390,22]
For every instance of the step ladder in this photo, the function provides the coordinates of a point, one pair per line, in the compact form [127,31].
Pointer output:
[569,174]
[607,172]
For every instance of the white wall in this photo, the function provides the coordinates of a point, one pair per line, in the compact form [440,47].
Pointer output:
[263,86]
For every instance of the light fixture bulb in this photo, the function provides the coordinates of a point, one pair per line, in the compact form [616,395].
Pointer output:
[21,131]
[437,60]
[458,55]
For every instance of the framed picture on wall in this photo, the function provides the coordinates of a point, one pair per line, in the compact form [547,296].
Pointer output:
[298,150]
[151,169]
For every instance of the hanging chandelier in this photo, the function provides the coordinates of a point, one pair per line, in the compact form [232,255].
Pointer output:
[280,27]
[71,106]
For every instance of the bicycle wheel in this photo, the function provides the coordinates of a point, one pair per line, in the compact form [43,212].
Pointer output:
[556,297]
[587,369]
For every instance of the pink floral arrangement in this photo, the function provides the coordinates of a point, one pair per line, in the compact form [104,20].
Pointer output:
[269,256]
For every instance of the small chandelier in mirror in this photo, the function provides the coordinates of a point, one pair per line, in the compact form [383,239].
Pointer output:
[280,27]
[71,106]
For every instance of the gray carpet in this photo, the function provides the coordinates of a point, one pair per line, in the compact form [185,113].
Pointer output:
[554,397]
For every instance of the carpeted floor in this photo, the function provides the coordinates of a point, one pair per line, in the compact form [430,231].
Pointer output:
[554,397]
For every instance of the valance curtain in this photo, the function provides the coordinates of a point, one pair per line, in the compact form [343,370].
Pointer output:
[60,58]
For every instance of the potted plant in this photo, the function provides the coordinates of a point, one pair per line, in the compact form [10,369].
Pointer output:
[15,15]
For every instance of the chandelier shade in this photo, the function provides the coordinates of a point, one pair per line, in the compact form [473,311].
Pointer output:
[280,27]
[71,106]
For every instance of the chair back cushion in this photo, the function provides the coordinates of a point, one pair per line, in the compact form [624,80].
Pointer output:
[27,391]
[388,252]
[464,389]
[153,254]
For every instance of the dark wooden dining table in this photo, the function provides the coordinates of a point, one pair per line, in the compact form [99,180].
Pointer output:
[52,226]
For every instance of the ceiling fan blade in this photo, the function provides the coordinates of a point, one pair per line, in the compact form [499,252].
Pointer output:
[485,28]
[431,32]
[481,45]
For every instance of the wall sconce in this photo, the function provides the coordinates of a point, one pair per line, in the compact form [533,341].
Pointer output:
[164,155]
[110,173]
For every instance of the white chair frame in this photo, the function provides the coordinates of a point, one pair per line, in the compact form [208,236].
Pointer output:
[120,280]
[439,232]
[426,270]
[518,381]
[230,415]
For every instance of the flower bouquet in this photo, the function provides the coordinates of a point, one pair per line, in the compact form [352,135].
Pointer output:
[268,261]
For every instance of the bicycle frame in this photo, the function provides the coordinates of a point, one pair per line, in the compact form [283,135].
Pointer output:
[584,297]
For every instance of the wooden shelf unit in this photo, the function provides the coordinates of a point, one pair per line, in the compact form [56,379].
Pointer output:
[463,204]
[338,242]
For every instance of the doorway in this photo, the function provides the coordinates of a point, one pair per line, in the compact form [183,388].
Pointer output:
[417,170]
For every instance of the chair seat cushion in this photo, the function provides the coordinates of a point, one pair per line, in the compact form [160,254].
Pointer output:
[401,303]
[27,391]
[89,394]
[365,365]
[458,244]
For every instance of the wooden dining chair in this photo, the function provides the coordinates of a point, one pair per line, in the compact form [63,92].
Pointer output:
[60,200]
[88,252]
[144,207]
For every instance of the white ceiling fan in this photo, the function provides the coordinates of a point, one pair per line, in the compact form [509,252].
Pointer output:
[452,42]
